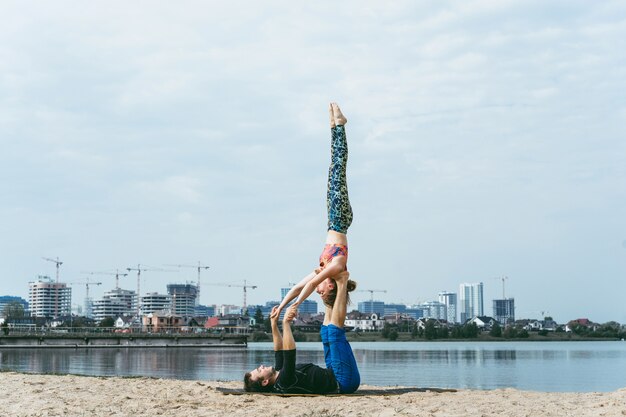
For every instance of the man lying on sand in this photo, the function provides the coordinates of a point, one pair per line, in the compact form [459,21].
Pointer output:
[341,374]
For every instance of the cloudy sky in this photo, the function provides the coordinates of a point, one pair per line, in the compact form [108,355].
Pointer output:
[486,140]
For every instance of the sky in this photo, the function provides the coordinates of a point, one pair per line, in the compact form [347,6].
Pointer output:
[486,140]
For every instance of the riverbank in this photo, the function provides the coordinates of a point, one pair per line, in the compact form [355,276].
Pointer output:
[27,395]
[407,337]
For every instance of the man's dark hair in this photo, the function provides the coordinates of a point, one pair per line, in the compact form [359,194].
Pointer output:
[254,386]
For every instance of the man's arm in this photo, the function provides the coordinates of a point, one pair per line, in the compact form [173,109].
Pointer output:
[276,336]
[288,341]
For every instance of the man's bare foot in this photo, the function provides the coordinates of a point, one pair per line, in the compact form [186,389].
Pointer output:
[337,116]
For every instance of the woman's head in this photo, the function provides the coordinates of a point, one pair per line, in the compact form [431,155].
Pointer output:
[327,290]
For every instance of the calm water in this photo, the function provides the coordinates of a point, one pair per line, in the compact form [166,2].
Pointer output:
[537,366]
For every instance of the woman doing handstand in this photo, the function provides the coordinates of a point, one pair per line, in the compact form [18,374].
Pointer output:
[334,257]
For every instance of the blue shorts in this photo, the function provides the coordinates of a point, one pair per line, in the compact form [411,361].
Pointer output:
[339,357]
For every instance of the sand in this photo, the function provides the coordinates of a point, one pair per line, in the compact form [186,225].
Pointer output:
[69,395]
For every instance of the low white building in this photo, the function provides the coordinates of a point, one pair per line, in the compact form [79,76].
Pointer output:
[364,322]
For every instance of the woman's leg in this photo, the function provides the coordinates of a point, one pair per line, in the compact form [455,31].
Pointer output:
[337,201]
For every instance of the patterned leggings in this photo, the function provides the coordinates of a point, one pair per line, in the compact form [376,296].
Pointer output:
[337,201]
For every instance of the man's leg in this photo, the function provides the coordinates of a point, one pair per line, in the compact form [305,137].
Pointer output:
[342,359]
[324,335]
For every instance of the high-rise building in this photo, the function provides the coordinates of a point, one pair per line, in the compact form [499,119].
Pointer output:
[184,298]
[115,303]
[369,307]
[504,311]
[391,309]
[449,300]
[152,302]
[471,300]
[434,310]
[308,307]
[48,298]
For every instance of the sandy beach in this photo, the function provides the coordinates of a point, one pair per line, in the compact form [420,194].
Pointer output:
[69,395]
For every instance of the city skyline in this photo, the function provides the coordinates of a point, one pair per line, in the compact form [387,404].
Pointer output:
[486,140]
[503,308]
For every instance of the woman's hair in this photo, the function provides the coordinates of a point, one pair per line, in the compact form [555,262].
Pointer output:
[329,300]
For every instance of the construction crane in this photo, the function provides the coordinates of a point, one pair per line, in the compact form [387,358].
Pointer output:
[117,274]
[57,262]
[502,278]
[56,290]
[87,283]
[245,287]
[139,270]
[199,267]
[372,293]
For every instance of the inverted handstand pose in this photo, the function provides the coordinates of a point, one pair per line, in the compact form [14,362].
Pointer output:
[334,257]
[341,374]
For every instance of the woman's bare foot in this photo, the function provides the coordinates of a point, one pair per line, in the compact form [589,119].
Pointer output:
[332,116]
[337,116]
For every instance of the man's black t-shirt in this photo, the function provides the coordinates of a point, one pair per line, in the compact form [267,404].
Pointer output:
[303,378]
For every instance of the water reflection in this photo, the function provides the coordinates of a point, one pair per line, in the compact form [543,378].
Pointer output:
[567,366]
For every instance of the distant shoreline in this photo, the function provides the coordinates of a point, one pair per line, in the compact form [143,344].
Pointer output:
[406,337]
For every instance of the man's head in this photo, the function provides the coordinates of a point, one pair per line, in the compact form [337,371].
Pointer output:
[260,379]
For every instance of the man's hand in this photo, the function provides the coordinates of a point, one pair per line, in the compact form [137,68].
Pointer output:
[274,315]
[291,314]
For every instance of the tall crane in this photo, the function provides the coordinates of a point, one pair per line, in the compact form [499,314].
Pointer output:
[57,262]
[56,290]
[87,283]
[245,287]
[139,270]
[199,267]
[117,274]
[502,278]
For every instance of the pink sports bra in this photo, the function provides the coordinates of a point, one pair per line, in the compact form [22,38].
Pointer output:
[332,250]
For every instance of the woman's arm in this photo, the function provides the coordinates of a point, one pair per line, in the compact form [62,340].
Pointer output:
[293,293]
[335,267]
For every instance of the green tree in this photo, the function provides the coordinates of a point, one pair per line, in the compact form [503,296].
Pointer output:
[258,317]
[496,330]
[430,331]
[386,330]
[444,332]
[107,322]
[393,334]
[457,332]
[510,332]
[522,334]
[470,331]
